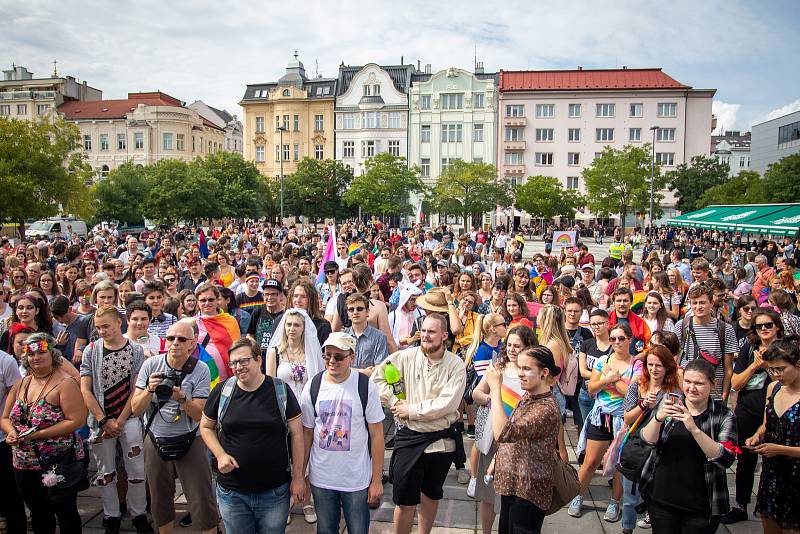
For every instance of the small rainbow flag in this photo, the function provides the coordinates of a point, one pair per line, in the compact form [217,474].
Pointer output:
[354,249]
[638,301]
[510,399]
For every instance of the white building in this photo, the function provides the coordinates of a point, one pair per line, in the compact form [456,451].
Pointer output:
[371,113]
[773,140]
[554,123]
[732,148]
[234,131]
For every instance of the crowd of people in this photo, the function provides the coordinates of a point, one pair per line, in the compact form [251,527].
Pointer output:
[269,368]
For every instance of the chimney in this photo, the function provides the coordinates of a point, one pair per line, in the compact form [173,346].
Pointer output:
[427,68]
[624,67]
[401,60]
[418,66]
[580,67]
[479,67]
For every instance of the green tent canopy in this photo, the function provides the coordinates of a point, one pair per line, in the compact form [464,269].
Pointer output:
[763,219]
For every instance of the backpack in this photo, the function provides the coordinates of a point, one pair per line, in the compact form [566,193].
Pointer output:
[363,394]
[280,396]
[699,353]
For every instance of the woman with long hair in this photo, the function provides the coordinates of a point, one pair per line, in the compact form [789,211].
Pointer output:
[19,280]
[123,290]
[677,282]
[469,320]
[550,295]
[592,350]
[465,281]
[655,314]
[304,295]
[517,311]
[745,307]
[672,298]
[68,283]
[226,274]
[610,380]
[522,284]
[47,283]
[496,304]
[551,332]
[188,302]
[31,310]
[782,301]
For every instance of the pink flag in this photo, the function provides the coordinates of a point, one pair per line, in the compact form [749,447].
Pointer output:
[328,255]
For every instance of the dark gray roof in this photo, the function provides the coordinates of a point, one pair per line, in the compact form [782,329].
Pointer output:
[222,114]
[400,75]
[252,92]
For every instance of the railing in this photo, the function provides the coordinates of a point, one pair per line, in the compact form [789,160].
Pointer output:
[25,95]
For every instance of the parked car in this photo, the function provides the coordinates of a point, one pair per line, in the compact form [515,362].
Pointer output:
[48,228]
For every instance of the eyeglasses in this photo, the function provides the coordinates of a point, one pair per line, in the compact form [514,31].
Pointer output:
[19,276]
[775,371]
[764,326]
[498,324]
[356,309]
[618,339]
[204,301]
[179,339]
[597,325]
[244,362]
[337,357]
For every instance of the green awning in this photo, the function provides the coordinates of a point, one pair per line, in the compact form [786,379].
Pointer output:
[783,222]
[700,218]
[766,219]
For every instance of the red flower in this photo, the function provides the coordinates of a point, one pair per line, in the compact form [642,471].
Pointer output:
[732,447]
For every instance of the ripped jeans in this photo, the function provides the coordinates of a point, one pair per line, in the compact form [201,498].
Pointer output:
[105,454]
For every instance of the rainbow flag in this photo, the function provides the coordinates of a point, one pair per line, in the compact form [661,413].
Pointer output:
[510,399]
[638,301]
[354,248]
[203,355]
[223,330]
[328,255]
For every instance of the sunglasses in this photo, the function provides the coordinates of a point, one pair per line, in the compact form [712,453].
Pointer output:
[748,308]
[203,301]
[330,272]
[356,309]
[619,339]
[179,339]
[764,326]
[169,279]
[337,357]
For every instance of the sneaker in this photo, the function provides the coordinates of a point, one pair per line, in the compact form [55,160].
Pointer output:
[613,512]
[644,522]
[575,506]
[463,476]
[471,431]
[186,522]
[113,524]
[734,516]
[142,525]
[309,514]
[471,487]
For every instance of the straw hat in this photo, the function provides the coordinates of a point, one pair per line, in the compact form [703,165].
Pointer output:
[434,300]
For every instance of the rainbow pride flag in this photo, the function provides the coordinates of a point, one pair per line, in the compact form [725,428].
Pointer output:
[638,301]
[222,330]
[510,399]
[328,255]
[354,248]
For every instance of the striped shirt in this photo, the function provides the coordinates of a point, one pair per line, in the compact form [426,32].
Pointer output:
[159,325]
[708,341]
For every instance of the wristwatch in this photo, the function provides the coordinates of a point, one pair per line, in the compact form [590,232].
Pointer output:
[182,399]
[102,422]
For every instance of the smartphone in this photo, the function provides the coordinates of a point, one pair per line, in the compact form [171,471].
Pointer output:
[673,398]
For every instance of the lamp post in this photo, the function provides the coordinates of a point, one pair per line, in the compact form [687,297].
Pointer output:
[652,176]
[280,130]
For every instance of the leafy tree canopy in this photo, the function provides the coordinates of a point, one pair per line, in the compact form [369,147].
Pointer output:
[689,182]
[782,180]
[545,197]
[469,190]
[385,186]
[316,189]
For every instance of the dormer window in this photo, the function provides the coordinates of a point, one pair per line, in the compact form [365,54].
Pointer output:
[367,90]
[376,90]
[286,92]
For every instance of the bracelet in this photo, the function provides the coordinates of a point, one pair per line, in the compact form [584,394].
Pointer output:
[657,419]
[102,422]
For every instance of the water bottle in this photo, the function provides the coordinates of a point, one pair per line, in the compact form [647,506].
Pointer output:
[393,378]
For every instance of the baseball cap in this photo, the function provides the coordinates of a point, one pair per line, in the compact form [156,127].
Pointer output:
[443,263]
[331,266]
[272,283]
[340,340]
[587,267]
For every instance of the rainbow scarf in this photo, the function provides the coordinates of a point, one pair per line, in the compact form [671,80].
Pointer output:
[510,399]
[216,334]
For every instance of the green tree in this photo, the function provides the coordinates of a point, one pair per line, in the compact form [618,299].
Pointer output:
[619,182]
[385,186]
[782,180]
[42,171]
[181,191]
[545,197]
[468,190]
[745,188]
[690,181]
[316,188]
[243,191]
[121,196]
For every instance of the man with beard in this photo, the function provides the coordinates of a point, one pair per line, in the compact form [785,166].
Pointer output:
[427,441]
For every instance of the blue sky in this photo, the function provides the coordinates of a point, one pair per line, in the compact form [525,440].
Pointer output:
[207,50]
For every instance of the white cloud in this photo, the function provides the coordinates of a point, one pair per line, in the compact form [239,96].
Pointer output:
[726,115]
[781,111]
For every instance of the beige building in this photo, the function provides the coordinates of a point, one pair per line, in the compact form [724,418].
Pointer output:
[22,96]
[144,128]
[287,120]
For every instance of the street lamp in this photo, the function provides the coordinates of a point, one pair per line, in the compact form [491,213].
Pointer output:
[280,130]
[652,176]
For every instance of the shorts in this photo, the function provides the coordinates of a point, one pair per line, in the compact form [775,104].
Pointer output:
[426,476]
[598,433]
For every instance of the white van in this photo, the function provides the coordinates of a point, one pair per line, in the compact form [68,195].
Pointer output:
[48,228]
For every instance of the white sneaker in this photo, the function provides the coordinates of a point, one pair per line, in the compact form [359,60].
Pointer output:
[463,476]
[575,506]
[471,487]
[644,522]
[613,512]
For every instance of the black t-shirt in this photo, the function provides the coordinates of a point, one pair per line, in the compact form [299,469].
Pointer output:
[589,347]
[753,395]
[741,333]
[253,433]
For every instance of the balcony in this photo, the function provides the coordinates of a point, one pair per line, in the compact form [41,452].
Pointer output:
[514,121]
[27,95]
[513,146]
[514,169]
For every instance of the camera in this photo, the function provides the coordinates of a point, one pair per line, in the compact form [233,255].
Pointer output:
[169,380]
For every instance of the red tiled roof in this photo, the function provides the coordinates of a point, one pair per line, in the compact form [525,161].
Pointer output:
[559,80]
[114,109]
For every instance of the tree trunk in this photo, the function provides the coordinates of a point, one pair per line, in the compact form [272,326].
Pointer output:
[21,229]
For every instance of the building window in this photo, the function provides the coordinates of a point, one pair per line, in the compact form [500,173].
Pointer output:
[319,152]
[259,124]
[477,133]
[5,110]
[452,133]
[515,110]
[789,132]
[394,119]
[367,149]
[285,152]
[370,119]
[573,158]
[425,102]
[394,148]
[636,110]
[122,142]
[277,122]
[167,141]
[635,134]
[545,111]
[103,142]
[22,109]
[296,122]
[742,163]
[513,134]
[425,133]
[544,134]
[296,152]
[477,160]
[179,142]
[572,182]
[665,158]
[349,121]
[41,109]
[478,100]
[445,164]
[598,155]
[605,110]
[286,92]
[544,158]
[452,100]
[286,122]
[665,134]
[604,134]
[87,142]
[367,90]
[210,147]
[259,154]
[513,158]
[138,141]
[667,109]
[574,135]
[319,123]
[348,149]
[574,111]
[425,168]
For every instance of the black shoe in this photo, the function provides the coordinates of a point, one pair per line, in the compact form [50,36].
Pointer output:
[142,525]
[389,444]
[186,521]
[113,524]
[734,516]
[471,431]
